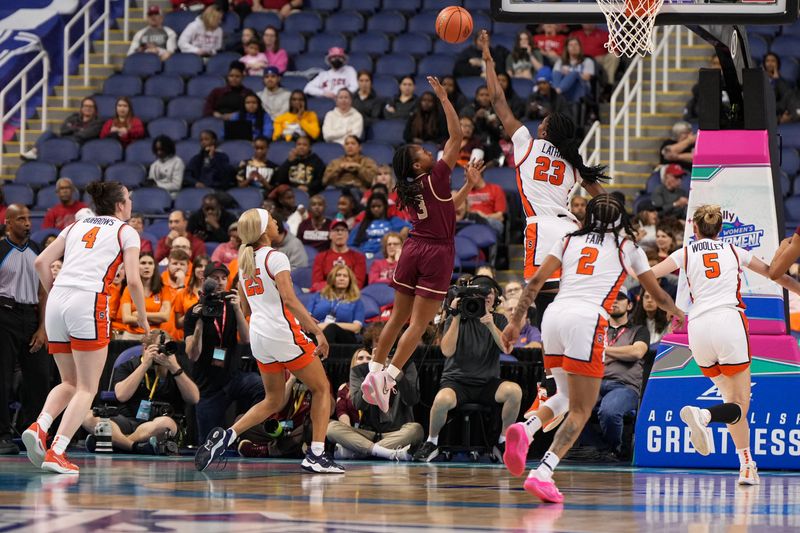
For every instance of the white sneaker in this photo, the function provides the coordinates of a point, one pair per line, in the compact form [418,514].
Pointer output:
[748,474]
[342,453]
[693,418]
[30,155]
[401,454]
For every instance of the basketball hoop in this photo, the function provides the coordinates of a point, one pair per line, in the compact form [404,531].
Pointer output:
[630,25]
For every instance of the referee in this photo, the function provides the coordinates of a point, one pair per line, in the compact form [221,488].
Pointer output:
[23,339]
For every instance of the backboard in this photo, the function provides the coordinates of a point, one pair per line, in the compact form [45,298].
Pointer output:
[682,12]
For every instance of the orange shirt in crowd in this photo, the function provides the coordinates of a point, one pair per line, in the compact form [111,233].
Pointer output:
[169,294]
[114,312]
[152,304]
[182,303]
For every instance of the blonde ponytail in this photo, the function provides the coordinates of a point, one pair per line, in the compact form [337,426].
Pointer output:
[249,228]
[709,220]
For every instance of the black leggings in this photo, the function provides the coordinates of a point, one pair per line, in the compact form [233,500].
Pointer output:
[336,335]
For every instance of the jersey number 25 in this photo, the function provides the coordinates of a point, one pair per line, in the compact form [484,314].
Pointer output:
[254,285]
[544,166]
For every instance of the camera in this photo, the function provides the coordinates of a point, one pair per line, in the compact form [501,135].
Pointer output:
[212,303]
[472,300]
[105,411]
[165,347]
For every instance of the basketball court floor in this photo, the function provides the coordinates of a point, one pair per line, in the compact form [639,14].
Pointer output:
[127,493]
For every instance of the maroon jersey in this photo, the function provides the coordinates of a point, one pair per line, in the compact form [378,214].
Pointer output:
[435,216]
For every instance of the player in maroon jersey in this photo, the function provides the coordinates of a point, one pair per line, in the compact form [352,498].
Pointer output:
[423,272]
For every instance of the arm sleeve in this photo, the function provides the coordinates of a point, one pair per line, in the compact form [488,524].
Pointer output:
[588,66]
[175,176]
[679,256]
[135,43]
[642,335]
[278,262]
[277,127]
[358,312]
[351,239]
[635,258]
[281,60]
[106,129]
[172,39]
[310,124]
[744,255]
[185,40]
[137,129]
[122,372]
[314,87]
[331,127]
[351,79]
[129,238]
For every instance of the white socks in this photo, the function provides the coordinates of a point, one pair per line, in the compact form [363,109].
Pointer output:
[548,465]
[60,444]
[744,456]
[375,367]
[532,425]
[393,372]
[501,439]
[45,421]
[380,451]
[317,448]
[434,440]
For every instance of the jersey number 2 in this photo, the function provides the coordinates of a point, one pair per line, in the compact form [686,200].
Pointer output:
[587,260]
[711,262]
[542,170]
[254,285]
[90,237]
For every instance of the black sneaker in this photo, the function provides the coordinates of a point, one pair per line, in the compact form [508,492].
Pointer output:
[214,448]
[7,447]
[426,453]
[320,464]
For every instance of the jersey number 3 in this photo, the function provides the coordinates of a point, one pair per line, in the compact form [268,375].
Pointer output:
[90,237]
[543,167]
[587,260]
[711,262]
[254,285]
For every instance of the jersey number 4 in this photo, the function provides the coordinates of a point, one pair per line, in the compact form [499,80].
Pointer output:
[544,166]
[254,285]
[90,237]
[711,262]
[587,260]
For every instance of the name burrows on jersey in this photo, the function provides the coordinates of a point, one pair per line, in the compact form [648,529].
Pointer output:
[593,271]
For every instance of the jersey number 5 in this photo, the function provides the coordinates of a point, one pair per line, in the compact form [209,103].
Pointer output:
[90,237]
[254,285]
[587,260]
[543,167]
[711,262]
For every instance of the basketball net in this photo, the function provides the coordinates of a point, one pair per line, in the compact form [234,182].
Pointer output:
[630,25]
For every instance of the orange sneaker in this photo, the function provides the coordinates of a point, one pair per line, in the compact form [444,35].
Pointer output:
[58,463]
[35,441]
[541,396]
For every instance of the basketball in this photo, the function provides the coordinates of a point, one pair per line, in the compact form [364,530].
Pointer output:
[454,24]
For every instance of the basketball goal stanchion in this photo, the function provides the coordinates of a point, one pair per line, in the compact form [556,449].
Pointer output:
[630,25]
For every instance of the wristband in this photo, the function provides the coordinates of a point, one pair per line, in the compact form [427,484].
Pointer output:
[178,373]
[453,312]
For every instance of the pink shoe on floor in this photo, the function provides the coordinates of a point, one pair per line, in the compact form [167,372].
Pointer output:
[516,449]
[377,389]
[543,488]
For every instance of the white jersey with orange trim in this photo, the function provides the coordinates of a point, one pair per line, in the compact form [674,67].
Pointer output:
[93,252]
[592,271]
[270,317]
[713,272]
[544,178]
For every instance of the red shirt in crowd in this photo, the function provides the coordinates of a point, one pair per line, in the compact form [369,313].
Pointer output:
[135,131]
[60,216]
[325,261]
[550,43]
[487,200]
[593,43]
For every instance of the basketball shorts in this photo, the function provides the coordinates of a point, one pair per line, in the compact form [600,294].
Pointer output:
[541,234]
[425,268]
[574,338]
[274,356]
[76,320]
[720,350]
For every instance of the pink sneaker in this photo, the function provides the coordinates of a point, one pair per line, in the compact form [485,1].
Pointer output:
[377,389]
[516,449]
[35,441]
[543,488]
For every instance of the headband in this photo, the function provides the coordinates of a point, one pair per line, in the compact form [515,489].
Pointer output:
[264,215]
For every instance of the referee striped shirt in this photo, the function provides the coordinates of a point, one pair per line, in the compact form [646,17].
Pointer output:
[18,278]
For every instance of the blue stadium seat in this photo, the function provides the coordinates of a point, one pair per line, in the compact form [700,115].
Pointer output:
[790,161]
[101,151]
[371,307]
[382,293]
[303,22]
[387,131]
[363,6]
[174,128]
[328,151]
[217,125]
[374,43]
[424,22]
[652,182]
[146,236]
[456,176]
[309,61]
[302,277]
[509,28]
[483,236]
[320,106]
[349,22]
[532,125]
[324,5]
[301,197]
[190,199]
[39,235]
[247,198]
[159,228]
[141,152]
[203,85]
[189,108]
[148,108]
[438,5]
[387,21]
[451,49]
[186,65]
[219,64]
[758,46]
[406,7]
[791,29]
[786,46]
[142,65]
[231,23]
[360,61]
[151,200]
[178,20]
[18,193]
[81,173]
[790,134]
[319,44]
[436,65]
[331,196]
[58,151]
[505,177]
[260,21]
[293,43]
[237,151]
[385,86]
[416,44]
[790,70]
[36,174]
[279,151]
[469,85]
[311,253]
[506,40]
[254,83]
[522,87]
[187,149]
[474,5]
[381,153]
[132,175]
[467,251]
[480,21]
[292,83]
[164,86]
[47,198]
[210,246]
[123,85]
[106,105]
[397,65]
[767,30]
[786,184]
[792,211]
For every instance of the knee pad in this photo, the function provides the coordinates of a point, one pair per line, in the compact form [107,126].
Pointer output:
[559,404]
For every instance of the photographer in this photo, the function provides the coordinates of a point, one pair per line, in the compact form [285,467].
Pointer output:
[141,384]
[472,345]
[211,337]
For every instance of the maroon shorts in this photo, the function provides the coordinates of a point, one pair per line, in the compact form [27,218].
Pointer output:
[425,268]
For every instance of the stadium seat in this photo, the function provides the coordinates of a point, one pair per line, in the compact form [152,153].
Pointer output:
[174,128]
[237,151]
[382,293]
[219,64]
[387,21]
[451,49]
[467,252]
[106,105]
[790,70]
[791,29]
[159,228]
[203,85]
[437,5]
[142,65]
[151,200]
[523,87]
[145,236]
[217,125]
[81,173]
[302,277]
[786,184]
[294,83]
[293,43]
[188,108]
[328,151]
[178,20]
[456,176]
[141,152]
[320,106]
[436,65]
[324,5]
[148,108]
[758,46]
[385,86]
[303,22]
[309,61]
[164,86]
[231,23]
[406,7]
[483,236]
[505,177]
[301,197]
[349,22]
[416,44]
[792,210]
[331,196]
[652,182]
[47,197]
[363,6]
[790,134]
[190,199]
[123,85]
[506,40]
[187,149]
[279,151]
[260,21]
[36,174]
[254,83]
[131,175]
[387,131]
[18,193]
[58,151]
[532,125]
[186,65]
[790,161]
[469,85]
[360,61]
[424,22]
[480,21]
[397,65]
[247,198]
[380,152]
[509,28]
[311,253]
[374,43]
[786,46]
[371,307]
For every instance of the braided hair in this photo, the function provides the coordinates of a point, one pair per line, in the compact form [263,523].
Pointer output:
[562,133]
[605,213]
[408,187]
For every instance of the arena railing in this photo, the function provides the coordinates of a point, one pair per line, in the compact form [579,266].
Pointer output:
[85,40]
[26,93]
